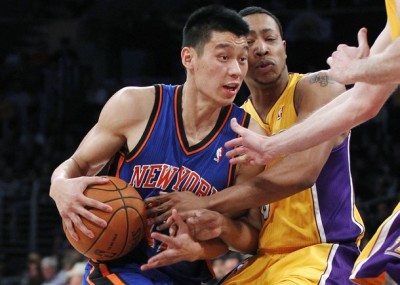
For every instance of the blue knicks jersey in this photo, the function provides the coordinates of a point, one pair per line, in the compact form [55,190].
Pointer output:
[163,161]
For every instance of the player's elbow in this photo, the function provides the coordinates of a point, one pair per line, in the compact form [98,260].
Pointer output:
[370,101]
[370,110]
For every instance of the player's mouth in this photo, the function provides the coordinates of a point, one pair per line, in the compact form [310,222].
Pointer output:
[232,88]
[264,64]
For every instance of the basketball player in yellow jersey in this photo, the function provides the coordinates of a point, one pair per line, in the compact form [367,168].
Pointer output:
[374,72]
[311,227]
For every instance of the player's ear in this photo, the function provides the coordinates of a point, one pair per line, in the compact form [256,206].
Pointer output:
[187,55]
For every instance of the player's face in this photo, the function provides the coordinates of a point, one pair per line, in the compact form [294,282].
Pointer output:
[267,50]
[220,69]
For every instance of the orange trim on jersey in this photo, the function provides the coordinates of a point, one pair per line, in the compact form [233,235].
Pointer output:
[115,280]
[210,141]
[178,129]
[90,272]
[120,162]
[219,130]
[232,167]
[103,269]
[210,268]
[150,130]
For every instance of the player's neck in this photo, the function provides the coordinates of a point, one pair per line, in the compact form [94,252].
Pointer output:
[199,116]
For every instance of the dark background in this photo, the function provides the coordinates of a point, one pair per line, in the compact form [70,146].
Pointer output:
[61,60]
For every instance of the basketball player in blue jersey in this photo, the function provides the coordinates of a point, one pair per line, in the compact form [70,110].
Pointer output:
[311,229]
[165,138]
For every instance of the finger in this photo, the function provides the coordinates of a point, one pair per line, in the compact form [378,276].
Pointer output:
[173,229]
[92,218]
[170,241]
[70,228]
[187,214]
[165,225]
[161,259]
[159,209]
[242,159]
[179,222]
[363,42]
[236,152]
[177,218]
[151,220]
[157,199]
[341,47]
[234,142]
[92,203]
[77,221]
[151,265]
[329,62]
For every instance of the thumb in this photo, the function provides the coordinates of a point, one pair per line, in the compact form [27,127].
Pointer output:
[236,127]
[363,43]
[91,180]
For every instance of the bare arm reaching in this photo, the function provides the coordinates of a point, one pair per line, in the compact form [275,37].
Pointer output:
[349,64]
[111,132]
[350,109]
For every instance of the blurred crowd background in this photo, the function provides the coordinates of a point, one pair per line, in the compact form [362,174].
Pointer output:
[61,60]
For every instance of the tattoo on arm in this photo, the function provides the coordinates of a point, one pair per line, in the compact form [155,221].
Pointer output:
[321,78]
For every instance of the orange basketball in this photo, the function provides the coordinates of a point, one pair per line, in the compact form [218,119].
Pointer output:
[125,224]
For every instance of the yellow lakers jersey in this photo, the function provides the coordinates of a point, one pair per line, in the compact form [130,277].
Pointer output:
[323,213]
[393,18]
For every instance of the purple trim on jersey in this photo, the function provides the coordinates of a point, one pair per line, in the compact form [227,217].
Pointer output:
[341,265]
[335,197]
[387,257]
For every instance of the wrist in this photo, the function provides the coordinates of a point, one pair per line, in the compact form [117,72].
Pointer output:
[225,228]
[207,202]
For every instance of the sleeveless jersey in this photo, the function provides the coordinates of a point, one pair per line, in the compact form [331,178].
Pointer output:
[393,18]
[163,161]
[381,256]
[325,213]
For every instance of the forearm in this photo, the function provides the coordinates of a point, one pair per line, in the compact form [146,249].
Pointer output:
[240,236]
[210,249]
[380,68]
[350,109]
[67,169]
[258,191]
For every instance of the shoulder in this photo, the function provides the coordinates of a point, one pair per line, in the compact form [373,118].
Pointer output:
[320,79]
[317,87]
[132,97]
[129,103]
[133,93]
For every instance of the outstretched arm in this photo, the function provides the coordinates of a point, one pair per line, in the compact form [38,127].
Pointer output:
[350,109]
[352,64]
[353,107]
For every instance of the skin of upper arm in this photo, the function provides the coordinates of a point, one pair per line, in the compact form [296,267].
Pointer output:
[382,41]
[303,168]
[121,121]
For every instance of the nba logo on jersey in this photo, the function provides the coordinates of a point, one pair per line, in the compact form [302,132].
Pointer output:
[279,117]
[218,154]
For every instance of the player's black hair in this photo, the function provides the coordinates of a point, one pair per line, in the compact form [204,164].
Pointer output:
[258,10]
[213,18]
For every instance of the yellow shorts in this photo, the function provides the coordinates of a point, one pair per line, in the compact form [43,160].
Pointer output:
[329,263]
